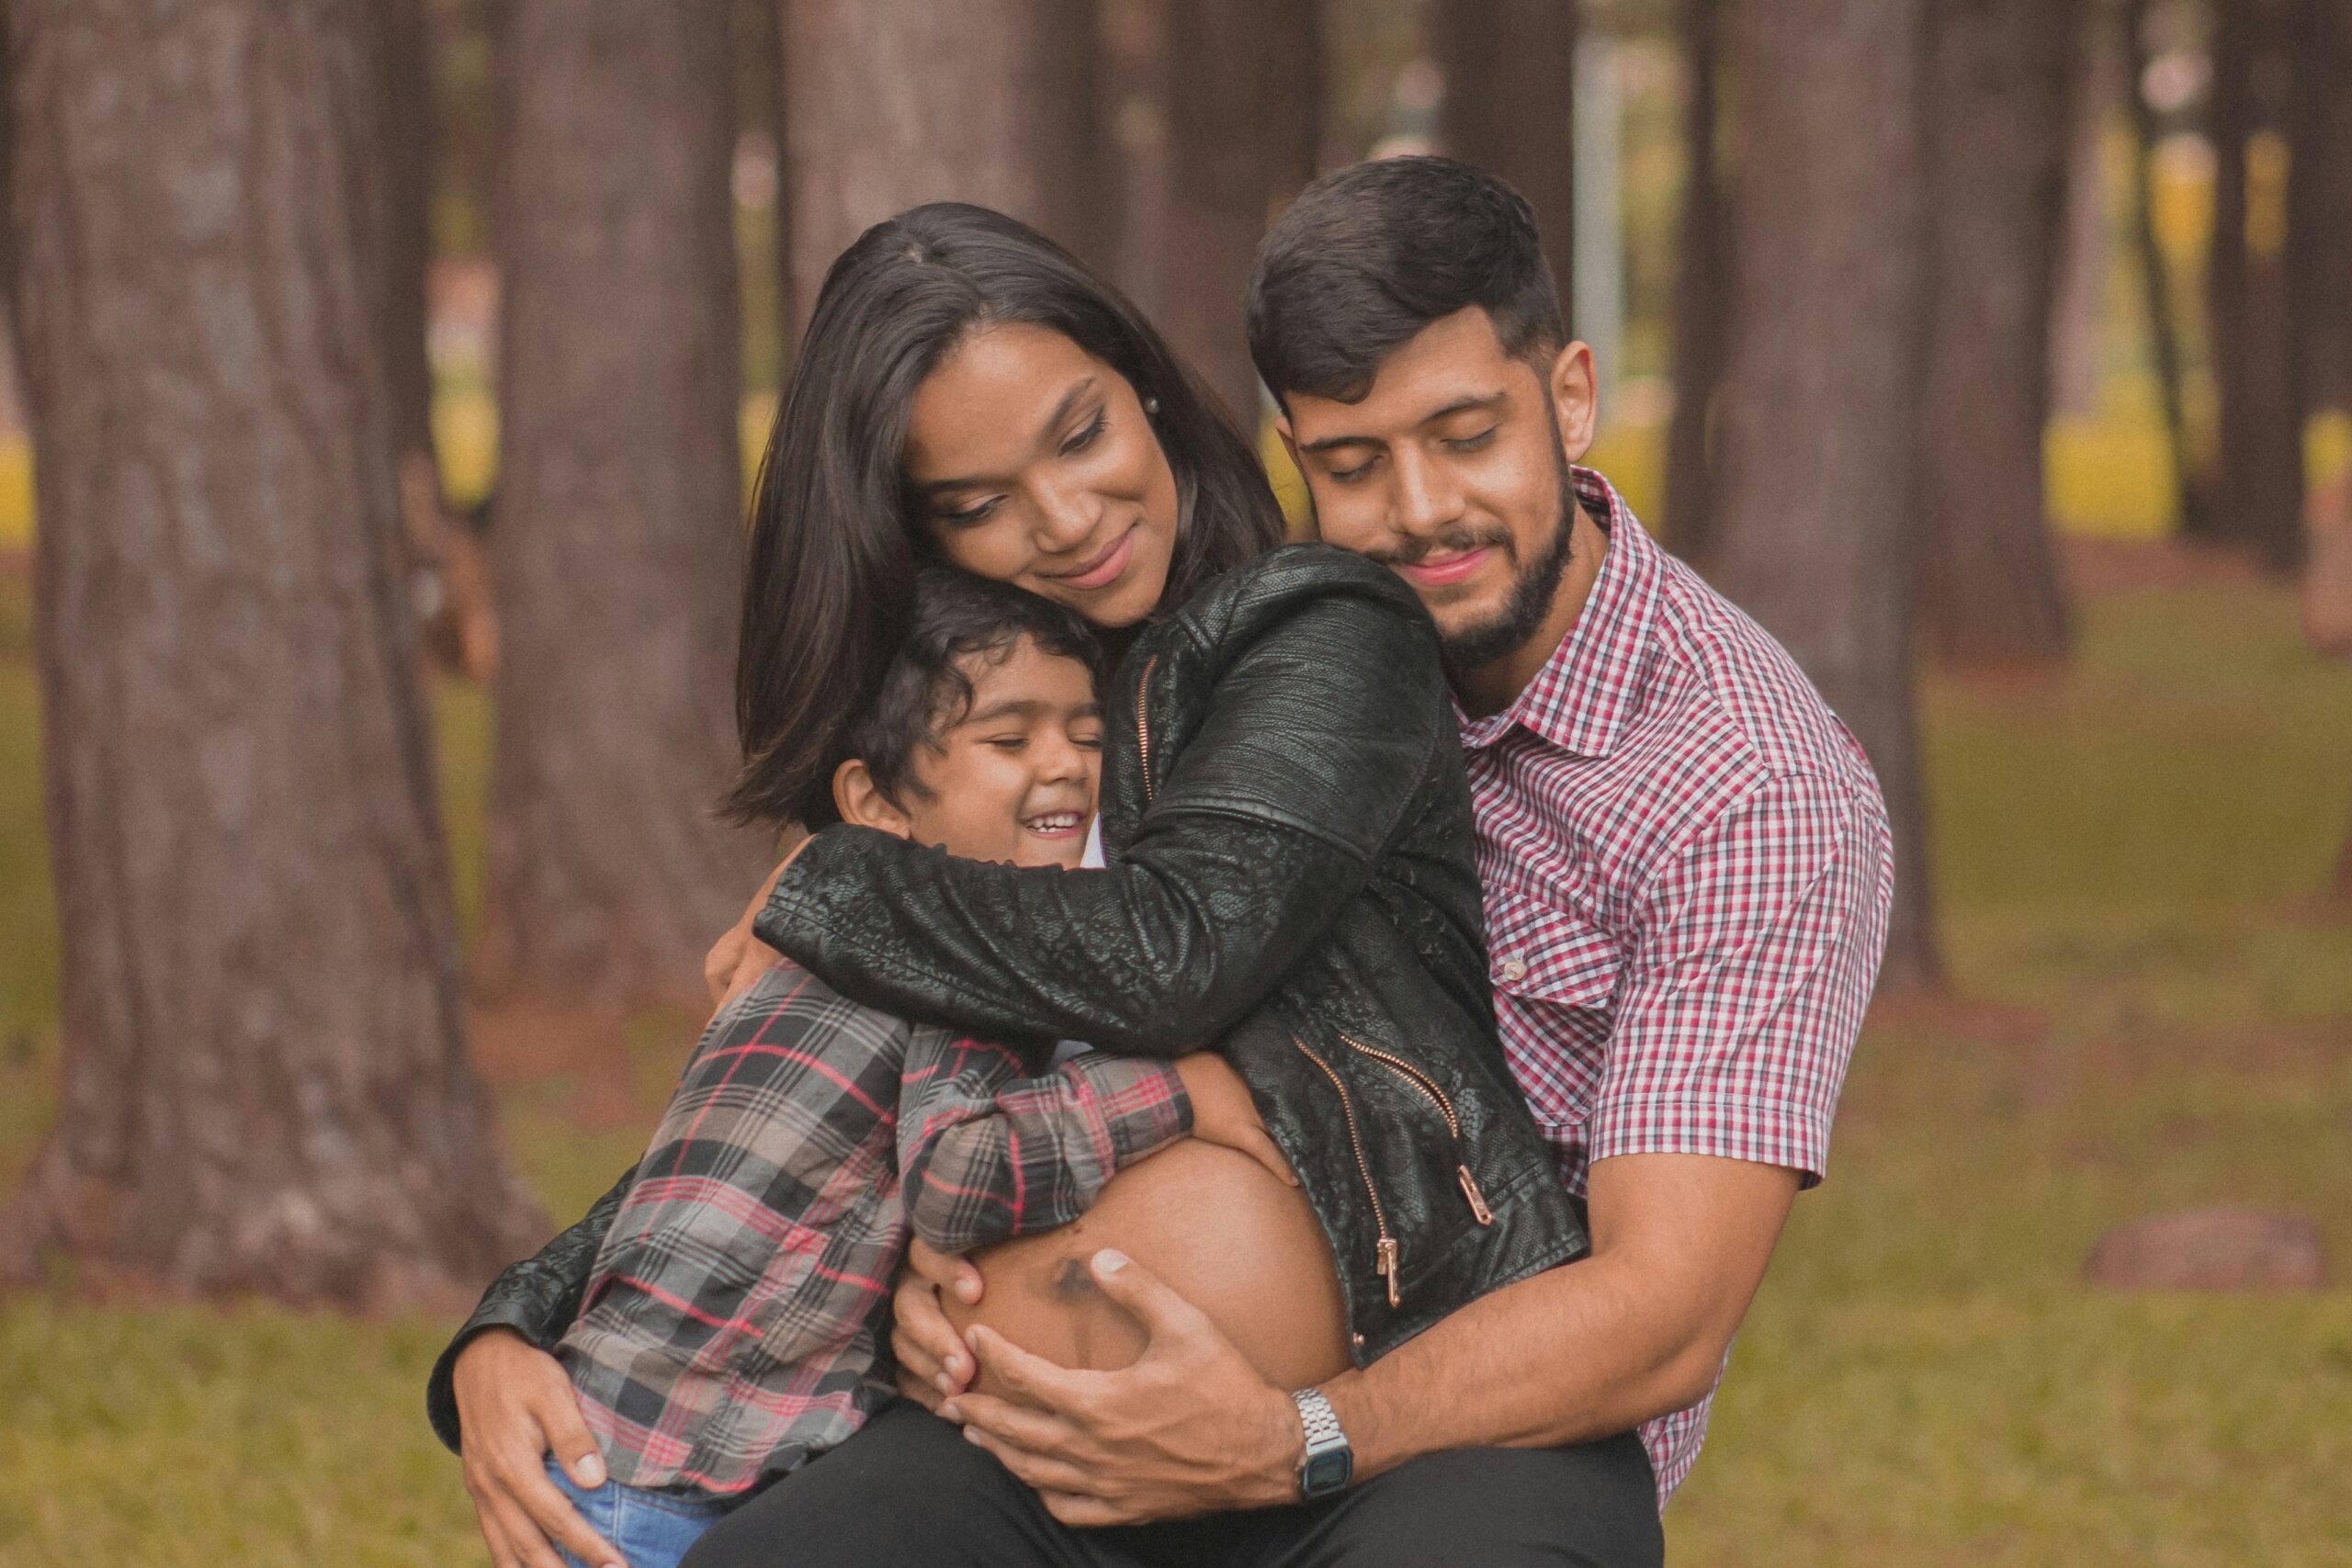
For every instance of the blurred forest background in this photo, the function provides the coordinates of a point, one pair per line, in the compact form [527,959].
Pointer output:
[386,378]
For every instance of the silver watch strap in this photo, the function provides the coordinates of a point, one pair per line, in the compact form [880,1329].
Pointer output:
[1315,1415]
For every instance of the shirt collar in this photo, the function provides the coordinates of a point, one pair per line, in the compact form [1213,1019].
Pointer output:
[1581,698]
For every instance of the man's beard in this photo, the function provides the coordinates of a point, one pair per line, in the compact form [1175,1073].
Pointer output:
[1531,592]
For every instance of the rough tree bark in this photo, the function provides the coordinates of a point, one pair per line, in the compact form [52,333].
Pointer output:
[1702,284]
[1509,68]
[619,501]
[2257,487]
[1820,408]
[1997,89]
[2159,292]
[265,1081]
[889,103]
[1243,129]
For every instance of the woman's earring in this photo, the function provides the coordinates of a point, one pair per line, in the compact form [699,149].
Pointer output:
[1151,405]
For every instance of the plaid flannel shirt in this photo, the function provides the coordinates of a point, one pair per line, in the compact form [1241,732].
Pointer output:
[730,1327]
[1688,873]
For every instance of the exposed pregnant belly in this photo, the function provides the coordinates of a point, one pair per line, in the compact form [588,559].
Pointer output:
[1220,1229]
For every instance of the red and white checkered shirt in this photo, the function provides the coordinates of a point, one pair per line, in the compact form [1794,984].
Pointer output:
[1688,873]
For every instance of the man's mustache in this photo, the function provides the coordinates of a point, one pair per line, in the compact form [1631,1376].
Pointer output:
[1454,538]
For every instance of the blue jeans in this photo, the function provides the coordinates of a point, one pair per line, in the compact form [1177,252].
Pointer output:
[648,1528]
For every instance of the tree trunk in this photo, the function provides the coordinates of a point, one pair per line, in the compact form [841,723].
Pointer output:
[788,312]
[2258,492]
[892,103]
[402,140]
[2158,293]
[1135,108]
[264,1081]
[615,543]
[2078,314]
[1243,129]
[1702,282]
[2319,224]
[1994,140]
[1821,403]
[1509,68]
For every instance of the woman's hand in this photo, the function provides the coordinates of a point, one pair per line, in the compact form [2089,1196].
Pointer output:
[514,1407]
[738,958]
[1224,1113]
[933,1362]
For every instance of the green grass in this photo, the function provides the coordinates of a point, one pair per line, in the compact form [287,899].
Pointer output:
[2151,1010]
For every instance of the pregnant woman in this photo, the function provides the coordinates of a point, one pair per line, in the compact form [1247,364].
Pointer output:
[1288,830]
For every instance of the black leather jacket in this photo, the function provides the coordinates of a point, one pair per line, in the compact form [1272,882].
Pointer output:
[1289,831]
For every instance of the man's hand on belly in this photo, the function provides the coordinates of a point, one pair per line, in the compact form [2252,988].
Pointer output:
[1189,1428]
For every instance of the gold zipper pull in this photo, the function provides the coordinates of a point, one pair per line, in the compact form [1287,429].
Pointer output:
[1386,1265]
[1479,1210]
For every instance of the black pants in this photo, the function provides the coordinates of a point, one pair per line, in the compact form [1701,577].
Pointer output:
[909,1489]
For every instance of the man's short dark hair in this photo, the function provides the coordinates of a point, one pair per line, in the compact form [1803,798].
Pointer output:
[1369,255]
[957,617]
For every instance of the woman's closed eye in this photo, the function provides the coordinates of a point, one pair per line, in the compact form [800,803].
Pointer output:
[1083,438]
[964,516]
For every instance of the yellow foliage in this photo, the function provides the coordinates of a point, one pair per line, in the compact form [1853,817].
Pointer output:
[1634,456]
[16,494]
[1290,489]
[465,428]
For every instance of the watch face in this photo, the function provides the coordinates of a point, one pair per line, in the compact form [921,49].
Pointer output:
[1326,1474]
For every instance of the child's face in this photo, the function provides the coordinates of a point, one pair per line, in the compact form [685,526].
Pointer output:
[1013,779]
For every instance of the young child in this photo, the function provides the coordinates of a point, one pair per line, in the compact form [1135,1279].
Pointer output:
[730,1327]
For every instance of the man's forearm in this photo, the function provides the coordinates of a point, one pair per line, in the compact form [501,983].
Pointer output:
[1637,1330]
[1576,1353]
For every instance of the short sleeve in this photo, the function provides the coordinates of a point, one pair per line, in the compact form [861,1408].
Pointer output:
[1757,948]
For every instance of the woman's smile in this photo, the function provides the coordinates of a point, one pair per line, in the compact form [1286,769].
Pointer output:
[1104,568]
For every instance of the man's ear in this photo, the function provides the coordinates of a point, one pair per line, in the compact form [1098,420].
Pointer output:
[1575,399]
[861,801]
[1290,442]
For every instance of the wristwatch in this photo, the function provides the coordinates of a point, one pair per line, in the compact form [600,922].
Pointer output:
[1327,1464]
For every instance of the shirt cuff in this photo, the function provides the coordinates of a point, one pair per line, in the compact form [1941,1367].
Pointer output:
[1763,1132]
[1142,1102]
[440,1388]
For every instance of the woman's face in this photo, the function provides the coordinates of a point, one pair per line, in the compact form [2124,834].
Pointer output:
[1030,461]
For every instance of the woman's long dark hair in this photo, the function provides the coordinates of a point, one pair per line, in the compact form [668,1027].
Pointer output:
[835,541]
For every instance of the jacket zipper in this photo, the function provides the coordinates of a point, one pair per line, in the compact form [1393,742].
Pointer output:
[1384,1258]
[1142,726]
[1428,1085]
[1385,1253]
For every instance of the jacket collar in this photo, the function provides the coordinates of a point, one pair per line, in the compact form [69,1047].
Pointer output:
[1587,691]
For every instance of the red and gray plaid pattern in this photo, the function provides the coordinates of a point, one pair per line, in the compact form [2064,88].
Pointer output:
[1687,874]
[731,1320]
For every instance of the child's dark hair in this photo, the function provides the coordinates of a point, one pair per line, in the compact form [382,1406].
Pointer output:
[1370,255]
[924,690]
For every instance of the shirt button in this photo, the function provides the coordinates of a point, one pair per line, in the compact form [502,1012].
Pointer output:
[1514,970]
